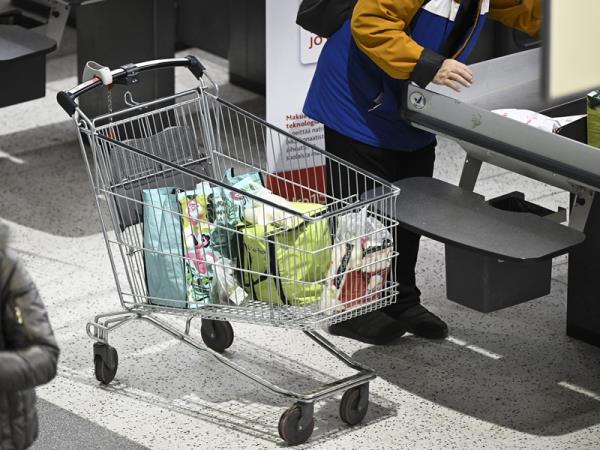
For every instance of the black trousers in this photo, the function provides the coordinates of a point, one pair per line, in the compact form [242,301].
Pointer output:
[391,165]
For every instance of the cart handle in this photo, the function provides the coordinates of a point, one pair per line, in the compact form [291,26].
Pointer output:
[128,74]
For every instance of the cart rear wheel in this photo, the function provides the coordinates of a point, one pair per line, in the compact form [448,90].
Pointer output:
[216,334]
[355,404]
[106,362]
[290,428]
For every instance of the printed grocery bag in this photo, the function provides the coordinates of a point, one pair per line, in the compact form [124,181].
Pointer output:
[163,248]
[286,266]
[197,245]
[226,211]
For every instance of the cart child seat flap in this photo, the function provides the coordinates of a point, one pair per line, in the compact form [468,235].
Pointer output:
[131,174]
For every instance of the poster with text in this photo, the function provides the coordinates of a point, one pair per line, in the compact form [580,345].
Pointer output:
[291,56]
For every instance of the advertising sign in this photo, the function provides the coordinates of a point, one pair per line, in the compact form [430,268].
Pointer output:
[292,54]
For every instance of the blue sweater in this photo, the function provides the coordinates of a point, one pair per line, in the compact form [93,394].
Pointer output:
[352,95]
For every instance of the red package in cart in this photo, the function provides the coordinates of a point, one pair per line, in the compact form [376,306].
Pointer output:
[361,259]
[366,283]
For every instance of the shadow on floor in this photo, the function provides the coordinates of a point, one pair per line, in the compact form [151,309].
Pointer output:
[61,429]
[49,191]
[551,390]
[195,385]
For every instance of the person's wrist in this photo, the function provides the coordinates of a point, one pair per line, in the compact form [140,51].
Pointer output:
[427,67]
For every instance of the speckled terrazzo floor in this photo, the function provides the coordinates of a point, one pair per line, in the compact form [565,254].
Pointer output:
[510,379]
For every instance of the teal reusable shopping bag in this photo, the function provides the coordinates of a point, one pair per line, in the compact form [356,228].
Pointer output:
[165,271]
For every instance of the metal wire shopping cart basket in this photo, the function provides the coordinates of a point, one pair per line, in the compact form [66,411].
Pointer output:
[197,223]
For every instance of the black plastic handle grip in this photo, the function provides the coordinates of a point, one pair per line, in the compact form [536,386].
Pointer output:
[127,74]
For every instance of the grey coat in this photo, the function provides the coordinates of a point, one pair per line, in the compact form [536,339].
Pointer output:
[28,351]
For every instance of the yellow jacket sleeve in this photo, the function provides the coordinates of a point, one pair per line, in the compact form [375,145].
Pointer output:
[524,15]
[378,28]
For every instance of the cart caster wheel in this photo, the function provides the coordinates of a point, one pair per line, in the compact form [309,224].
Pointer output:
[291,429]
[106,362]
[216,334]
[355,404]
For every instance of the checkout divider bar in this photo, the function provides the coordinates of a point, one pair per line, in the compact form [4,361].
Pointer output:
[577,162]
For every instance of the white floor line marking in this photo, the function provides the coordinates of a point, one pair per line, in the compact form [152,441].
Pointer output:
[453,340]
[484,352]
[474,348]
[579,390]
[11,158]
[157,348]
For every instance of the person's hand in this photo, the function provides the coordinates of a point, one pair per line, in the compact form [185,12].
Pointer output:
[454,74]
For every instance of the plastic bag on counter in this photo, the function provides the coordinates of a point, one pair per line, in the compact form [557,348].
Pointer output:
[532,118]
[537,120]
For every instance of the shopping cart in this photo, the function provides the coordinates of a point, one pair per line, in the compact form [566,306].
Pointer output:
[160,172]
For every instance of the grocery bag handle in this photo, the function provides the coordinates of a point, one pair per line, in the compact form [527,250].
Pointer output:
[127,74]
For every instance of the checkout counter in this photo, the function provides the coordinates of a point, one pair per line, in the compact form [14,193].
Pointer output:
[495,256]
[113,32]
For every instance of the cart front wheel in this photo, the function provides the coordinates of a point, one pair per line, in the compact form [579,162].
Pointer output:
[216,334]
[355,404]
[294,428]
[106,362]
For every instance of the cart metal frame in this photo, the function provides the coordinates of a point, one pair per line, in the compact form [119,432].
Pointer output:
[99,136]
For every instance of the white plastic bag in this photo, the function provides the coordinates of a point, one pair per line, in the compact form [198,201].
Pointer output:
[531,118]
[259,213]
[225,288]
[360,261]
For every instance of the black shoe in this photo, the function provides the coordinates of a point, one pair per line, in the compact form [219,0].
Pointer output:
[375,328]
[419,321]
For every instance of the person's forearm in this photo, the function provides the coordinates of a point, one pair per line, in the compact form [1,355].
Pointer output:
[427,67]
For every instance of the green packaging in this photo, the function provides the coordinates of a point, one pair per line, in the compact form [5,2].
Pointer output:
[593,120]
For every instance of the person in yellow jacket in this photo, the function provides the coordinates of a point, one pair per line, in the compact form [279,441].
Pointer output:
[356,92]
